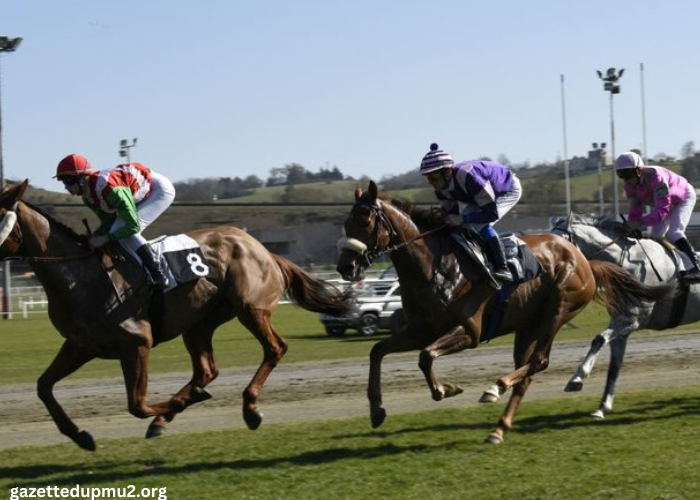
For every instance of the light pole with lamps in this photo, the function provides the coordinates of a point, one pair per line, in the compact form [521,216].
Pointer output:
[567,179]
[610,84]
[125,148]
[6,45]
[596,156]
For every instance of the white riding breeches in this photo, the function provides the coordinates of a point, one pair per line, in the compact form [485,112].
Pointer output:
[161,197]
[673,226]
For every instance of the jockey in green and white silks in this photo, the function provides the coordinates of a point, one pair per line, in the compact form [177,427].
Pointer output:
[126,199]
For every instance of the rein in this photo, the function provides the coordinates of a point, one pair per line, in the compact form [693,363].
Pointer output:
[382,218]
[14,223]
[409,241]
[48,259]
[570,233]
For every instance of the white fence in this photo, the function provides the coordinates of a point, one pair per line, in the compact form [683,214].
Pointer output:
[28,300]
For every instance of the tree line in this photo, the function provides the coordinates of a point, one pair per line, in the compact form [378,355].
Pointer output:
[547,179]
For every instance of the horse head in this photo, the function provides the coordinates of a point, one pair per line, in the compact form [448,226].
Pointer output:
[10,235]
[368,233]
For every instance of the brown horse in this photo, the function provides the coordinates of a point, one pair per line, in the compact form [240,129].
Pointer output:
[449,306]
[104,309]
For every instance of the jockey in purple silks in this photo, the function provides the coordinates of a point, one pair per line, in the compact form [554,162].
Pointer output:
[671,198]
[486,188]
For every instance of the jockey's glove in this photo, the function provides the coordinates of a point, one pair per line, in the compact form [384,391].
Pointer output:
[454,220]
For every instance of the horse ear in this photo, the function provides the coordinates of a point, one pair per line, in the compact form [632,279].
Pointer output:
[22,189]
[373,191]
[358,193]
[14,193]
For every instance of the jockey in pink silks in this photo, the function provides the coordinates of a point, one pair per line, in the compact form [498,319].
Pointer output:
[671,198]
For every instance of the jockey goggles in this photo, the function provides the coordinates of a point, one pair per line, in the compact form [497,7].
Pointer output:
[70,180]
[628,173]
[435,176]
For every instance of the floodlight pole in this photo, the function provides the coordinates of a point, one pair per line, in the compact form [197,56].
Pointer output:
[644,118]
[567,180]
[610,84]
[125,148]
[6,45]
[616,201]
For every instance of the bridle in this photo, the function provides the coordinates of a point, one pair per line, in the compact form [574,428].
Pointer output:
[10,222]
[381,219]
[569,235]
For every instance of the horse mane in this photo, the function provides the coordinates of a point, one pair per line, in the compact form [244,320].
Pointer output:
[605,222]
[608,222]
[424,218]
[55,222]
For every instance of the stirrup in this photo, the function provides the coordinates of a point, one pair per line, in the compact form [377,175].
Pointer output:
[503,275]
[160,284]
[690,276]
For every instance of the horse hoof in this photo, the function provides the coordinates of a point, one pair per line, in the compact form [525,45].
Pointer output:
[598,415]
[493,439]
[574,386]
[490,395]
[199,395]
[155,430]
[85,441]
[253,419]
[452,390]
[378,417]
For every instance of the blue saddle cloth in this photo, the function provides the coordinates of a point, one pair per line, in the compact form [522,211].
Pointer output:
[522,263]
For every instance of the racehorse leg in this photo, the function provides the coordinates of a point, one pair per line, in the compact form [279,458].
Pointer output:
[274,348]
[396,343]
[455,340]
[505,423]
[584,369]
[69,359]
[135,371]
[618,345]
[531,353]
[204,371]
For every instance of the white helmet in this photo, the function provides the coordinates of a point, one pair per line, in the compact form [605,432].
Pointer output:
[628,160]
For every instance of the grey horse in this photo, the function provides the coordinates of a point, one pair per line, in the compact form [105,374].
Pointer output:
[652,262]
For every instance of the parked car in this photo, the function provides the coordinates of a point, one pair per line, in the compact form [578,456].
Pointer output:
[378,307]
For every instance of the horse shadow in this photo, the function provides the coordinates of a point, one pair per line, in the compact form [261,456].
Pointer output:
[637,414]
[71,474]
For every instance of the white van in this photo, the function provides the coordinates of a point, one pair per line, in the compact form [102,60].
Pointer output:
[378,308]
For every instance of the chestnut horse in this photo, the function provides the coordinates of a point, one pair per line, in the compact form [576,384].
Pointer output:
[103,308]
[449,304]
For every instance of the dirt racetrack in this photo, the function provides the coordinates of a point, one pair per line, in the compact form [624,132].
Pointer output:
[320,391]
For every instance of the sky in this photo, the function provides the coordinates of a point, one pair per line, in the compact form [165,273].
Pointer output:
[231,88]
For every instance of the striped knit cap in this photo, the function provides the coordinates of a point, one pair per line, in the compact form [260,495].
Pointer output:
[435,159]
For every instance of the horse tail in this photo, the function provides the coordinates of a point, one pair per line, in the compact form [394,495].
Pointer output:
[622,287]
[312,293]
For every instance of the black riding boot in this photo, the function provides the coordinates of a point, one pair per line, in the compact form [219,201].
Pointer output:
[160,280]
[691,275]
[497,254]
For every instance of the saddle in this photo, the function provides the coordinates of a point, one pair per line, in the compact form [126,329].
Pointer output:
[179,255]
[522,263]
[520,260]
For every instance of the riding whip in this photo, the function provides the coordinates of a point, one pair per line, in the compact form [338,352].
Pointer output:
[645,252]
